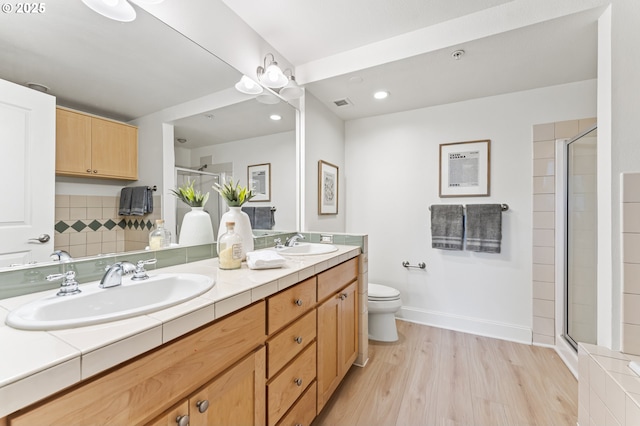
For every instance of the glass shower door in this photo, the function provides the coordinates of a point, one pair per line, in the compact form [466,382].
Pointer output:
[581,240]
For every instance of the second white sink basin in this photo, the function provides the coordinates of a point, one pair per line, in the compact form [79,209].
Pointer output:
[96,305]
[307,249]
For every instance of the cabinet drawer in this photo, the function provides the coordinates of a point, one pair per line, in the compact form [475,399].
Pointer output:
[138,391]
[289,304]
[304,411]
[335,278]
[284,346]
[287,386]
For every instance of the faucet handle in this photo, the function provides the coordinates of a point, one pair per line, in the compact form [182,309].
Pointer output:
[278,243]
[140,273]
[69,284]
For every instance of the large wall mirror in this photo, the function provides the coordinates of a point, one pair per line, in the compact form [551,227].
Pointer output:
[129,71]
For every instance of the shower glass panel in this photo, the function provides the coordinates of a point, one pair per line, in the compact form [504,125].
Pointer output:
[203,182]
[581,240]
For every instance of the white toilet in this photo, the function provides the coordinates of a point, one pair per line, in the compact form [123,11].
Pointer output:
[384,302]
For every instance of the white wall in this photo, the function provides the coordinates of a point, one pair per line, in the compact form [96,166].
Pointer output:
[324,140]
[392,178]
[625,132]
[278,149]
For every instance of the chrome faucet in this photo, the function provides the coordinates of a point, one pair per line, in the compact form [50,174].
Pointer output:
[113,275]
[69,284]
[291,241]
[61,255]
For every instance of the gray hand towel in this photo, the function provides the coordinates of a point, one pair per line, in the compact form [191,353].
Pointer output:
[484,227]
[124,209]
[264,218]
[139,201]
[447,226]
[251,212]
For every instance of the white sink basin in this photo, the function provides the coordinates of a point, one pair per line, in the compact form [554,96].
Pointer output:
[307,249]
[96,305]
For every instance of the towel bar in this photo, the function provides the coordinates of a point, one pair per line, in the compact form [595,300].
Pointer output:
[505,207]
[420,265]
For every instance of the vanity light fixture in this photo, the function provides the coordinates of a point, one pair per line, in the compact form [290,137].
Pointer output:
[270,73]
[248,86]
[275,117]
[118,10]
[381,95]
[291,90]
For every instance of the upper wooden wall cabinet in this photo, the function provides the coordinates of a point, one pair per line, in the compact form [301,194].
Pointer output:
[89,146]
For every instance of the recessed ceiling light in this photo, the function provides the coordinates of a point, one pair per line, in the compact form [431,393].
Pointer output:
[275,117]
[37,86]
[381,95]
[181,140]
[355,80]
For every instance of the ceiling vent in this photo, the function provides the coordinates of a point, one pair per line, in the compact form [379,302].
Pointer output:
[343,102]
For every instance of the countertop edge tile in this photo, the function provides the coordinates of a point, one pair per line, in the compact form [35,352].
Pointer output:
[108,356]
[23,392]
[179,326]
[232,304]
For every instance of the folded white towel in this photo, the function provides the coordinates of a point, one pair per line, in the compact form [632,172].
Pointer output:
[264,259]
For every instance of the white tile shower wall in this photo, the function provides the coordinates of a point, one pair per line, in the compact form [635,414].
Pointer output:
[630,198]
[608,390]
[544,208]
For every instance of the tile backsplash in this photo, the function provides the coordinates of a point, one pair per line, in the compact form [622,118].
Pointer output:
[88,225]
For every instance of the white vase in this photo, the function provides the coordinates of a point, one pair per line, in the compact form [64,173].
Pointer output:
[242,228]
[196,228]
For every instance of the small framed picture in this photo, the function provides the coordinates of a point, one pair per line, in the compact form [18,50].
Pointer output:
[464,169]
[259,179]
[327,188]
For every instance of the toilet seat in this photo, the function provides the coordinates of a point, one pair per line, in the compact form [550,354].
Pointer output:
[381,293]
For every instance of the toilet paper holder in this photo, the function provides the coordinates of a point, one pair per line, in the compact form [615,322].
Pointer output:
[420,265]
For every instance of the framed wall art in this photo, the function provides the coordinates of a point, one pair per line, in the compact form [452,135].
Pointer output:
[259,178]
[327,188]
[464,169]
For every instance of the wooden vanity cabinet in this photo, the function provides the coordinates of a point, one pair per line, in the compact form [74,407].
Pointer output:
[291,354]
[337,327]
[90,146]
[236,397]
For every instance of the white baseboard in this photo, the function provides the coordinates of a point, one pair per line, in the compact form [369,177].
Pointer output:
[470,325]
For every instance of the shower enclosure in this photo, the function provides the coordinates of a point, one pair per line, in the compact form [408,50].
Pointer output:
[204,183]
[581,239]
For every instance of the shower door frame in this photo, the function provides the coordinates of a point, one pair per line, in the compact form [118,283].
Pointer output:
[564,343]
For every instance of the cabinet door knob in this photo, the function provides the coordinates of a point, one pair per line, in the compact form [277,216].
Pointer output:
[343,296]
[298,340]
[202,405]
[298,382]
[88,170]
[95,171]
[182,420]
[298,302]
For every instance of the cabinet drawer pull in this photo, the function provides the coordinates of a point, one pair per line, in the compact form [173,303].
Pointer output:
[298,382]
[298,302]
[95,171]
[298,340]
[202,405]
[182,420]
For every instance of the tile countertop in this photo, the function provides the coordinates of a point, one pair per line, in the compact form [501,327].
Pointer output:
[36,364]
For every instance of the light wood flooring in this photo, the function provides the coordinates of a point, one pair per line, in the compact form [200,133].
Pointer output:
[434,376]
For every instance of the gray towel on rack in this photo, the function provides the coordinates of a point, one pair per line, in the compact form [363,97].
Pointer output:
[136,201]
[264,218]
[124,209]
[447,226]
[484,227]
[251,212]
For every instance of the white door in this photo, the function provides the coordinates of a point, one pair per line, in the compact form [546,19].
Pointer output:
[27,174]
